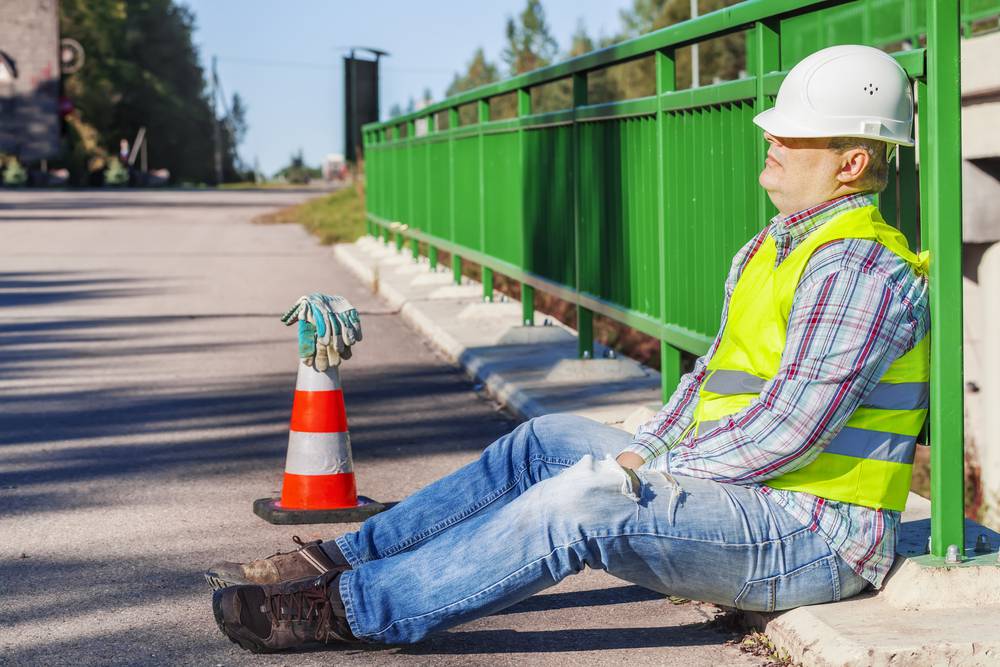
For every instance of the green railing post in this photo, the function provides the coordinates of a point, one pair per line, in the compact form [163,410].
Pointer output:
[527,291]
[399,241]
[415,249]
[432,257]
[941,179]
[431,250]
[584,316]
[527,305]
[487,284]
[456,260]
[766,58]
[670,369]
[666,81]
[483,107]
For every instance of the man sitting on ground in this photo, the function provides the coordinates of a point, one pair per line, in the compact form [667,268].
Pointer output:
[773,477]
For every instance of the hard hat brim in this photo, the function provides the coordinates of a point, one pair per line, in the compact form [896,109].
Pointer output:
[772,121]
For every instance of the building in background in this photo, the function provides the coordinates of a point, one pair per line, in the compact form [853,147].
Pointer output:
[29,79]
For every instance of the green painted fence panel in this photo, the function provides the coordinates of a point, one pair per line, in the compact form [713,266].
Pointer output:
[420,188]
[618,220]
[504,228]
[708,211]
[548,203]
[438,167]
[465,173]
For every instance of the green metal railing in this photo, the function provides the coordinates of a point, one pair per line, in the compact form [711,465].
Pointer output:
[633,209]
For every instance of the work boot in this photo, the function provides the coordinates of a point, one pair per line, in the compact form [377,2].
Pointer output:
[309,560]
[292,614]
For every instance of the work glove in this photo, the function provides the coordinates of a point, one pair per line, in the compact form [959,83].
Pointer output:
[328,327]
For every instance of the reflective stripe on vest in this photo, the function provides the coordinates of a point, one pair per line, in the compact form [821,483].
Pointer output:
[885,395]
[869,461]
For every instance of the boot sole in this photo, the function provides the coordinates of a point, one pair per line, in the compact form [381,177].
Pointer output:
[244,644]
[218,581]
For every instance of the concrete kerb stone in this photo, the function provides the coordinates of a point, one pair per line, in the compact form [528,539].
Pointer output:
[922,616]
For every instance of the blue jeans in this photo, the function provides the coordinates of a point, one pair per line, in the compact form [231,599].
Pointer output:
[547,499]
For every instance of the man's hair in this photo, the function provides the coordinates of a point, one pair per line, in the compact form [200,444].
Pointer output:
[876,175]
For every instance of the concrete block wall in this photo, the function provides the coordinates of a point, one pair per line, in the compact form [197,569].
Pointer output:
[981,261]
[29,78]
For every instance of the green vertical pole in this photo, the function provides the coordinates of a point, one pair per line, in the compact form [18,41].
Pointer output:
[941,178]
[484,116]
[527,291]
[766,58]
[487,284]
[432,257]
[399,241]
[411,132]
[584,316]
[430,190]
[415,249]
[670,367]
[456,260]
[666,80]
[527,305]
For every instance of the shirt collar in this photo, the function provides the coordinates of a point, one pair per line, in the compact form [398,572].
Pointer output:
[789,230]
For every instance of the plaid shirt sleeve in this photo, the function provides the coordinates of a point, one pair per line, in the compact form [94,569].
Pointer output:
[846,326]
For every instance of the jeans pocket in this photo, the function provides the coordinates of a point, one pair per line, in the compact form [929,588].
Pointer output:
[815,583]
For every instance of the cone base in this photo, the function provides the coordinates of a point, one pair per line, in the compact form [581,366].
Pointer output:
[270,510]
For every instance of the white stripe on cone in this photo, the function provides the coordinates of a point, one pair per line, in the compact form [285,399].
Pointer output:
[313,380]
[318,453]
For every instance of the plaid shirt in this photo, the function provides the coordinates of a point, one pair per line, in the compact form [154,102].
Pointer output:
[856,309]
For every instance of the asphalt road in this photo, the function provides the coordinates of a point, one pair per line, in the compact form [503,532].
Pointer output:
[145,390]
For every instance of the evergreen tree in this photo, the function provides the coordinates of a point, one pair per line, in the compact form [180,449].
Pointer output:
[142,70]
[530,43]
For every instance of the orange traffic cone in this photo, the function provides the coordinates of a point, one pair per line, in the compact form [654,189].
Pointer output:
[319,482]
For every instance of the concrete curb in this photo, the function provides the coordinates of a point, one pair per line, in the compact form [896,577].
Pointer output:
[920,617]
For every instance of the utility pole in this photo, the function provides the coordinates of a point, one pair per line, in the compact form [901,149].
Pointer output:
[217,130]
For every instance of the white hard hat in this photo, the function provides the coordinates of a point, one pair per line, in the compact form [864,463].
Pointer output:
[843,91]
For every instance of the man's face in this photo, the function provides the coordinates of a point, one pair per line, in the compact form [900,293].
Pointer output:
[799,173]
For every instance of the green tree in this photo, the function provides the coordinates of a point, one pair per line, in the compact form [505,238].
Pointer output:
[478,72]
[722,58]
[530,43]
[142,70]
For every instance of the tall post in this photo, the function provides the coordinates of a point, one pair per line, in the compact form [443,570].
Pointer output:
[584,316]
[695,62]
[431,250]
[527,291]
[484,116]
[666,81]
[941,179]
[456,260]
[765,59]
[216,123]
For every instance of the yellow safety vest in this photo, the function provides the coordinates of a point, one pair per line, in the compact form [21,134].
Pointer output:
[870,460]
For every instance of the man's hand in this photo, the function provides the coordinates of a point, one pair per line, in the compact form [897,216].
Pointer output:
[630,460]
[328,327]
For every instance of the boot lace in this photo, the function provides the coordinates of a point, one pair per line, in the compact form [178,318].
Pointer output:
[310,604]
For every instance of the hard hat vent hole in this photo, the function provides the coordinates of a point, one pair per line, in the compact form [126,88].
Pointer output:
[871,89]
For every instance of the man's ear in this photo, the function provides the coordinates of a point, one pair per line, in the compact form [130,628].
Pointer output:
[853,164]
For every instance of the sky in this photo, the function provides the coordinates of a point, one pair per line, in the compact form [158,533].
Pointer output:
[284,58]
